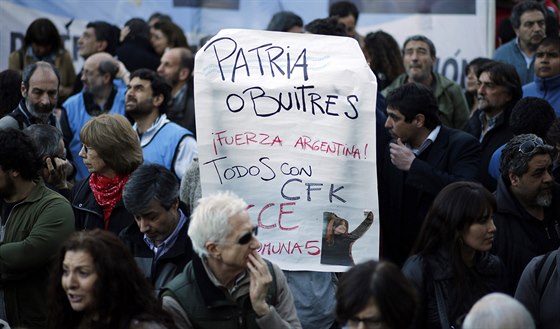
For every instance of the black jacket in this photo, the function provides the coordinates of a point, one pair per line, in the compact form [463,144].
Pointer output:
[89,214]
[486,276]
[160,272]
[498,136]
[519,236]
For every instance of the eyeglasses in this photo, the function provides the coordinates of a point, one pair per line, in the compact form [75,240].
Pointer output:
[85,148]
[245,238]
[529,146]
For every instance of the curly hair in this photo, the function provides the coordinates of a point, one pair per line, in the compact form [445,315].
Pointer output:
[121,292]
[17,152]
[386,58]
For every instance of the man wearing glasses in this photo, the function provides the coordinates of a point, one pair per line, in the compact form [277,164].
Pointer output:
[158,239]
[227,284]
[528,213]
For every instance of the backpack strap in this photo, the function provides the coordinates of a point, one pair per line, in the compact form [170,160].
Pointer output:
[547,268]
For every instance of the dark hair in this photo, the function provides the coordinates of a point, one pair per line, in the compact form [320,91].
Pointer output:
[531,115]
[423,39]
[516,162]
[477,63]
[18,153]
[381,283]
[414,98]
[159,85]
[30,69]
[46,139]
[10,91]
[139,30]
[186,59]
[108,66]
[43,32]
[121,292]
[326,26]
[173,32]
[386,57]
[553,135]
[456,207]
[106,32]
[343,9]
[503,74]
[160,17]
[521,8]
[551,41]
[283,21]
[150,182]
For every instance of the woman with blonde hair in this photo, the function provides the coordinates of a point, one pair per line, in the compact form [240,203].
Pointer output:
[111,152]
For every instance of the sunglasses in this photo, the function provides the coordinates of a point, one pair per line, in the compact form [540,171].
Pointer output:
[529,146]
[247,237]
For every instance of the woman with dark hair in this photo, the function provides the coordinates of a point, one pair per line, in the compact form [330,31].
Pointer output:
[136,51]
[471,82]
[10,91]
[451,267]
[385,58]
[164,35]
[377,295]
[95,283]
[42,42]
[111,152]
[337,240]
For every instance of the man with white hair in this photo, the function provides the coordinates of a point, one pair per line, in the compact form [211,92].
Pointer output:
[498,311]
[227,284]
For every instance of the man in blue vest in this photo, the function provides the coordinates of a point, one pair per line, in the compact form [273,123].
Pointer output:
[163,142]
[101,94]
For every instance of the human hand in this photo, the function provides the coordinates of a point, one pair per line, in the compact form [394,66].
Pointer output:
[56,172]
[260,280]
[401,156]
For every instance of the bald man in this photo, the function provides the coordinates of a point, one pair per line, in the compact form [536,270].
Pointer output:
[101,94]
[176,68]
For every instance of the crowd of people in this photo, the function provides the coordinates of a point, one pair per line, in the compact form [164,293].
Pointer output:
[103,224]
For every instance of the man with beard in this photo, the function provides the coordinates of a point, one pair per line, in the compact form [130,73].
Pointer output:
[423,158]
[100,95]
[39,88]
[527,218]
[163,142]
[176,68]
[499,89]
[35,220]
[528,21]
[419,57]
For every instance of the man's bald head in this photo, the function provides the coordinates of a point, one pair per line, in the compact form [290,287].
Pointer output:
[176,66]
[99,70]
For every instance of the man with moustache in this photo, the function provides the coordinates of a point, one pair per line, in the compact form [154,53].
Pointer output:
[547,73]
[424,157]
[35,220]
[101,94]
[39,87]
[499,89]
[419,56]
[528,21]
[527,218]
[176,68]
[163,142]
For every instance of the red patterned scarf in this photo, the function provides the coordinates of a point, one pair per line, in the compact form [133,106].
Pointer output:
[107,192]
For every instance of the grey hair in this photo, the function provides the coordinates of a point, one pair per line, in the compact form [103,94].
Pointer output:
[30,69]
[498,311]
[516,162]
[424,39]
[210,219]
[46,139]
[109,66]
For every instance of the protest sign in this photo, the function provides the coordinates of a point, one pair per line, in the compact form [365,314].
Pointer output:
[287,122]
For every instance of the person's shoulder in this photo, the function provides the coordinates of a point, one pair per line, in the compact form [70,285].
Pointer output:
[8,121]
[504,50]
[399,81]
[445,82]
[73,100]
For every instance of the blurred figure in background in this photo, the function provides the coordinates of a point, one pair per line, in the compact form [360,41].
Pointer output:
[164,35]
[285,21]
[42,42]
[385,59]
[471,82]
[135,50]
[10,91]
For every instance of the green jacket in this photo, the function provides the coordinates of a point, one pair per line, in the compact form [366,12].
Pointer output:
[34,230]
[453,108]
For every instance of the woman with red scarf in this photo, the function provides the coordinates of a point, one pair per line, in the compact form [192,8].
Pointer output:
[111,152]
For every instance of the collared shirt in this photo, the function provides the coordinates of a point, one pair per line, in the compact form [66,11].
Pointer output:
[487,124]
[239,288]
[178,104]
[169,242]
[427,142]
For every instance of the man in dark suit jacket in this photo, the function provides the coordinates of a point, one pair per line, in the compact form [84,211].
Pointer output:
[423,157]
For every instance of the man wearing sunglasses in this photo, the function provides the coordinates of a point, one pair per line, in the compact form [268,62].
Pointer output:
[527,218]
[158,239]
[228,284]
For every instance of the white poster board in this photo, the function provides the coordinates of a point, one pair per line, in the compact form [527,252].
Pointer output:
[287,122]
